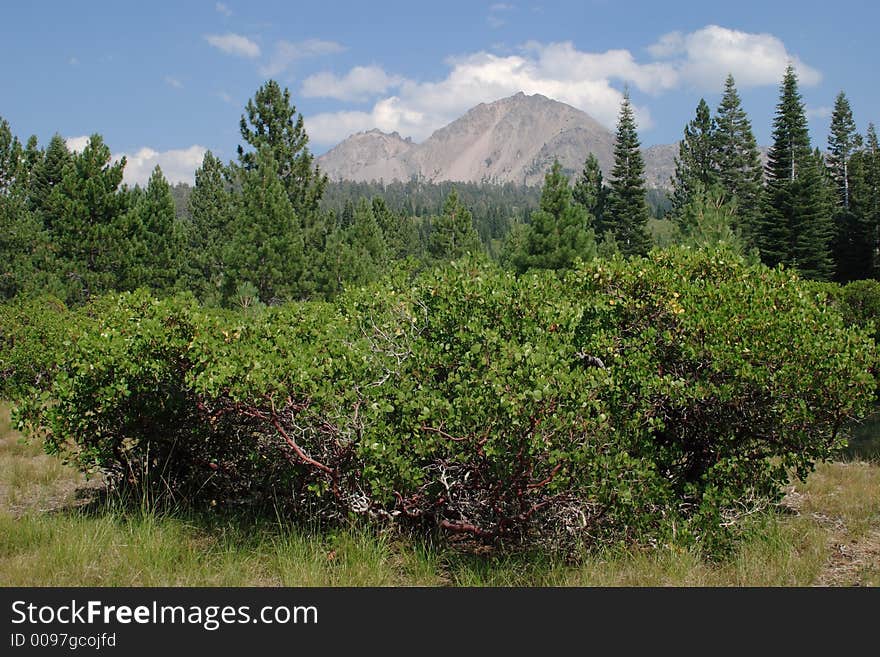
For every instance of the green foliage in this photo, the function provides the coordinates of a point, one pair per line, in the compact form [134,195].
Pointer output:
[590,192]
[272,122]
[851,242]
[211,213]
[795,229]
[695,165]
[359,251]
[726,375]
[626,210]
[399,232]
[648,399]
[88,209]
[707,220]
[452,233]
[10,157]
[46,172]
[35,333]
[559,233]
[27,263]
[265,246]
[739,164]
[153,241]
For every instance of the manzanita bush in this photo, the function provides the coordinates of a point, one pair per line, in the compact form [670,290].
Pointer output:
[663,398]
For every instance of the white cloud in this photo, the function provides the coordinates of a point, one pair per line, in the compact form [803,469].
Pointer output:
[234,44]
[590,81]
[287,52]
[223,9]
[555,70]
[173,82]
[360,83]
[77,144]
[705,57]
[73,61]
[178,165]
[822,112]
[494,18]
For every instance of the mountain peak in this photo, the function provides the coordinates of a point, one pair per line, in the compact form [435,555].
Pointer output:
[513,139]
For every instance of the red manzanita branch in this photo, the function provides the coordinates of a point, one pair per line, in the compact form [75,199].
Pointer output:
[546,480]
[466,528]
[440,432]
[296,448]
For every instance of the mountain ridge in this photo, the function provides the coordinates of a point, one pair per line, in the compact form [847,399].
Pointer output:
[513,139]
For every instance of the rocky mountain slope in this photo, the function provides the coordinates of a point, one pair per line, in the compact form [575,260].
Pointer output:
[514,139]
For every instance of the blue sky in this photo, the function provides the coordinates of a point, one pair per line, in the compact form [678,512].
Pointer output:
[163,81]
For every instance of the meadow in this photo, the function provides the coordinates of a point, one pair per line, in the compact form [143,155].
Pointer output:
[57,529]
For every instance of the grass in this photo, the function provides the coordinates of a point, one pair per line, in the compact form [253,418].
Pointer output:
[48,537]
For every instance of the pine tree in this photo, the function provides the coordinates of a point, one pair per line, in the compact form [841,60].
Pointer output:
[695,166]
[401,236]
[560,230]
[813,228]
[211,211]
[738,161]
[843,140]
[795,227]
[152,239]
[27,264]
[709,219]
[850,244]
[453,234]
[866,201]
[46,174]
[627,211]
[265,249]
[590,193]
[364,245]
[88,209]
[272,120]
[10,157]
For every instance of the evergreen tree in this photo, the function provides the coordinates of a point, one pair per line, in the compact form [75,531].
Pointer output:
[264,251]
[626,210]
[709,219]
[46,175]
[88,210]
[152,240]
[364,246]
[695,166]
[272,121]
[843,141]
[738,161]
[813,228]
[346,219]
[795,227]
[26,260]
[452,233]
[211,211]
[866,201]
[590,192]
[850,244]
[10,157]
[559,232]
[401,236]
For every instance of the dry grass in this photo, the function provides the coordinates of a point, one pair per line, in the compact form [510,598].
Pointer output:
[831,537]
